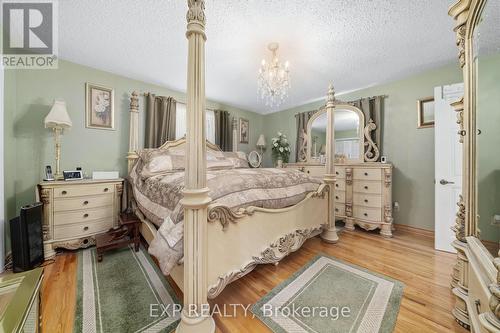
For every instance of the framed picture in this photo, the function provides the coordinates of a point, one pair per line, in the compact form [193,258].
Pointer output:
[425,109]
[99,107]
[244,130]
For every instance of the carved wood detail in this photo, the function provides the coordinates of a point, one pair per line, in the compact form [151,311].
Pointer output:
[75,244]
[348,176]
[45,196]
[372,152]
[388,213]
[459,227]
[271,255]
[495,290]
[459,108]
[348,209]
[387,177]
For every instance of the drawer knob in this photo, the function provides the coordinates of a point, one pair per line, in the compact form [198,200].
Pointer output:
[366,200]
[336,172]
[85,215]
[337,197]
[336,209]
[308,171]
[85,202]
[365,214]
[366,173]
[336,185]
[85,228]
[106,189]
[366,187]
[64,192]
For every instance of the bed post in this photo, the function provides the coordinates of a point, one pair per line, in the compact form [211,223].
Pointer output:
[133,143]
[195,317]
[329,234]
[235,134]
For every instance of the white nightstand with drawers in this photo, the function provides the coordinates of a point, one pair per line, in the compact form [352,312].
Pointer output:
[75,211]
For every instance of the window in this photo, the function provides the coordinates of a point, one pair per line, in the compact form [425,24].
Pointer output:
[181,123]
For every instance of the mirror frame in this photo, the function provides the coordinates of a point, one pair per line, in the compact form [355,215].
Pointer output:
[467,14]
[361,127]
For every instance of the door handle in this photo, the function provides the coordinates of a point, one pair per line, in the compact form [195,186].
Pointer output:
[445,182]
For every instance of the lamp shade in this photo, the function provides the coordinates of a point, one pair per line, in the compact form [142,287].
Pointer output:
[261,142]
[58,116]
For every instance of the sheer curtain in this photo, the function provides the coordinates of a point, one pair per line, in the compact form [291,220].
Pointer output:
[181,123]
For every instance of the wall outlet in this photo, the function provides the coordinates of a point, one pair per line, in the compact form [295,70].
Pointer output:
[496,220]
[396,206]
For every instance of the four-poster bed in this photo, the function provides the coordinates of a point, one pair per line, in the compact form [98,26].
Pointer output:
[221,244]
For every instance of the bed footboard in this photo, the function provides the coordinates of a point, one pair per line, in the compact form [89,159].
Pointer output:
[239,241]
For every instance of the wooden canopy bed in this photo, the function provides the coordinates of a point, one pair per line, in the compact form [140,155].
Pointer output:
[221,245]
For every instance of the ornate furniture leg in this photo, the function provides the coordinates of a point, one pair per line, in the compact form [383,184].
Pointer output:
[329,234]
[196,312]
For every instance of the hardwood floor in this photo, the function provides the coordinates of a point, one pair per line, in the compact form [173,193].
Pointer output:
[408,257]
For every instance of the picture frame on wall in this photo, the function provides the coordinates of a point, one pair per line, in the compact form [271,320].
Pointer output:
[99,107]
[425,110]
[244,130]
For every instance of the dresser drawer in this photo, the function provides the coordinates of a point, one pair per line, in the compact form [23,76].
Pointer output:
[369,200]
[83,215]
[339,209]
[367,174]
[367,187]
[340,172]
[367,213]
[82,229]
[339,196]
[83,202]
[315,171]
[77,191]
[340,185]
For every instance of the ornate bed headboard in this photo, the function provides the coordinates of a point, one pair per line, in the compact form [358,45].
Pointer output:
[132,155]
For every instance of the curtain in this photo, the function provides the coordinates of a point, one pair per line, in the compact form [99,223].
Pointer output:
[160,120]
[372,109]
[223,130]
[301,146]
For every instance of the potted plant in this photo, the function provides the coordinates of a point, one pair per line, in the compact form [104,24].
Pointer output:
[281,150]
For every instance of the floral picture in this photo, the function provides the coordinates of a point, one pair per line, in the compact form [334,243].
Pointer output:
[281,149]
[244,130]
[100,108]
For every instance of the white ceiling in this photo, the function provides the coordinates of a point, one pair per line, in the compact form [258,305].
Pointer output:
[354,44]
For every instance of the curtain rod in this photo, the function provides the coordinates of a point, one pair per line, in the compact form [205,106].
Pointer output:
[145,94]
[350,102]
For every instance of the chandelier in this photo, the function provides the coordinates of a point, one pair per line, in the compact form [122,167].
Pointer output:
[274,79]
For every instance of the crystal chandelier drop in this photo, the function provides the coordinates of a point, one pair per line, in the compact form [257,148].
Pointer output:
[274,79]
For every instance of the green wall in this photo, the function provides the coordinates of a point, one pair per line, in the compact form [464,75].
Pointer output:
[29,95]
[488,165]
[411,150]
[29,146]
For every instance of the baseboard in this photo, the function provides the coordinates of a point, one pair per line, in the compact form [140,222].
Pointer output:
[414,230]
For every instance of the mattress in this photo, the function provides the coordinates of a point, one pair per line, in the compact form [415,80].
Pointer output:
[158,198]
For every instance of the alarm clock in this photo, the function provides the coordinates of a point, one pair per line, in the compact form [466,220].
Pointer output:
[73,175]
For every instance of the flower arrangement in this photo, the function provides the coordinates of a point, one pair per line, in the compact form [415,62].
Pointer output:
[281,148]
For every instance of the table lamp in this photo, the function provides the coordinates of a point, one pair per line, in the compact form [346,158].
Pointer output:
[261,143]
[58,119]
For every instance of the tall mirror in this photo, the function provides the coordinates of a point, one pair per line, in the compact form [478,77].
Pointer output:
[349,143]
[486,46]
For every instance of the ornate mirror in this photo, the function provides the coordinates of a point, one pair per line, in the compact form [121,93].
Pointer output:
[349,142]
[486,69]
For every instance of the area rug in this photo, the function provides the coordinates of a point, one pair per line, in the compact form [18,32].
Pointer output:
[328,295]
[126,292]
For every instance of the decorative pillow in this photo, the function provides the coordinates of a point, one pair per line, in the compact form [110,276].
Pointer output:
[238,159]
[158,161]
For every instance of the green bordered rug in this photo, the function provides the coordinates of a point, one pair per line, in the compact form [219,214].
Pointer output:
[328,295]
[126,292]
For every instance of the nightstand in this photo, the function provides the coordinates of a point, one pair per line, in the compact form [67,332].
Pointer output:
[75,211]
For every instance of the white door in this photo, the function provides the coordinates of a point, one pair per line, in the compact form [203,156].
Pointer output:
[448,161]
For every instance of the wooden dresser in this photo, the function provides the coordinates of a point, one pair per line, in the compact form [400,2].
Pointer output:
[363,193]
[75,211]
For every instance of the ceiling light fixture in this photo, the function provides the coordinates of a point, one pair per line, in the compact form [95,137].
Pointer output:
[274,79]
